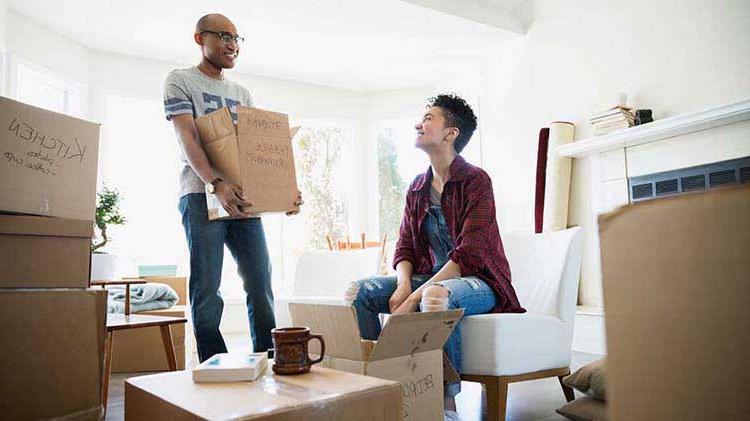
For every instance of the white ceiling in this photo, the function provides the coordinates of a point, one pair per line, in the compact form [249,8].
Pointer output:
[351,44]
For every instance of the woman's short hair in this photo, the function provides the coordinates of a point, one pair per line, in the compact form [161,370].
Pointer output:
[458,114]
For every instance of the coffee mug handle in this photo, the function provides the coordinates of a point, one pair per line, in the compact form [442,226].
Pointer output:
[322,348]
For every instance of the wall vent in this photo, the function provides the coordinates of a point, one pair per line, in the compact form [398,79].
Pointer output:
[670,183]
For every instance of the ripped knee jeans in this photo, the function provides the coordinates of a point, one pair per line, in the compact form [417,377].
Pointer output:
[469,293]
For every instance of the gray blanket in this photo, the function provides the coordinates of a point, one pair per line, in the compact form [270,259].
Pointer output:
[143,297]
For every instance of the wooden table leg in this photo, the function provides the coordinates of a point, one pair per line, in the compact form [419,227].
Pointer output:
[166,337]
[127,299]
[107,366]
[567,390]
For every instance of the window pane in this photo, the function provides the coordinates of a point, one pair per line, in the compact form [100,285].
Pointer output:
[32,90]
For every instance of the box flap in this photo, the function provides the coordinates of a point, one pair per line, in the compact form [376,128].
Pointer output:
[407,334]
[338,325]
[45,226]
[216,125]
[219,139]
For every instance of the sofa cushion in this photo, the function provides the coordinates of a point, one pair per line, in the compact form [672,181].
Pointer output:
[506,344]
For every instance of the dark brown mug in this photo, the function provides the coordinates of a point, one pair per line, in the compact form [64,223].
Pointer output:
[290,350]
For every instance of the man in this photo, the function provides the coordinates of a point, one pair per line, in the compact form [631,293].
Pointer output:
[188,94]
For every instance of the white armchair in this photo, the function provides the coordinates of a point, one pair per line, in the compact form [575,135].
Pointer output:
[321,275]
[499,349]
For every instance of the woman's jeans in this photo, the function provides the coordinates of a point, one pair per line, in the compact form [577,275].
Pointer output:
[247,242]
[469,293]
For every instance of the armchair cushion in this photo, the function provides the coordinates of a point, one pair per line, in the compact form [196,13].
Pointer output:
[506,344]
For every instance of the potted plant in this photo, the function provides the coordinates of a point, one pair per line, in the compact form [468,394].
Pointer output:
[103,265]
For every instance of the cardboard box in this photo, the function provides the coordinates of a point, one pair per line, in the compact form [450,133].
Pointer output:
[139,350]
[48,162]
[409,351]
[255,155]
[676,277]
[52,353]
[43,252]
[320,395]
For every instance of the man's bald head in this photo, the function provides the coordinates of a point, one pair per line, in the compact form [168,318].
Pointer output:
[212,21]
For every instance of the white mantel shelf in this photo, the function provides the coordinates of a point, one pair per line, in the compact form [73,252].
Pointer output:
[658,130]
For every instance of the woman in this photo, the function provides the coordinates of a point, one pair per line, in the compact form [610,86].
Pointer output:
[449,246]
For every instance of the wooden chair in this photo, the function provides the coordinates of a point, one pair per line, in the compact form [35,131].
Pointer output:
[125,321]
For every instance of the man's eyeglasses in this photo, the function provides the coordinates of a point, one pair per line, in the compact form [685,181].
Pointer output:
[226,37]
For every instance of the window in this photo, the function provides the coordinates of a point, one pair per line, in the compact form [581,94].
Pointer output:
[322,152]
[44,88]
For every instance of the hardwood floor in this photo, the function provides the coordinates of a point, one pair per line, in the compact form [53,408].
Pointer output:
[527,401]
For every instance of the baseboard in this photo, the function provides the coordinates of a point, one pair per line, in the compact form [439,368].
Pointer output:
[589,334]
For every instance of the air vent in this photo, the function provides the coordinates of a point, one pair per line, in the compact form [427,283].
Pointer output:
[642,191]
[666,187]
[693,182]
[745,175]
[651,186]
[720,178]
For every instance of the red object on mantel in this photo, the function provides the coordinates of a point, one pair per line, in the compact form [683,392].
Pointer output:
[541,179]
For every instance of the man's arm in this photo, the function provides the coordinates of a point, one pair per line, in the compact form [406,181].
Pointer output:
[230,196]
[187,134]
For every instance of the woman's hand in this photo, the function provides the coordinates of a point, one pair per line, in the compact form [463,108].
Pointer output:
[411,304]
[401,294]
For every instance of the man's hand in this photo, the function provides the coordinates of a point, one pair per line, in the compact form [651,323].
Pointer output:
[297,203]
[232,199]
[402,292]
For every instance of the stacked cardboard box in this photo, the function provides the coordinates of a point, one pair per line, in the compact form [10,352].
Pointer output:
[53,327]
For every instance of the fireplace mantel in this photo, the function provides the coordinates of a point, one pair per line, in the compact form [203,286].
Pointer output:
[658,130]
[711,135]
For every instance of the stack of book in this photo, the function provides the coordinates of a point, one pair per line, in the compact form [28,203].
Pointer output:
[234,367]
[613,119]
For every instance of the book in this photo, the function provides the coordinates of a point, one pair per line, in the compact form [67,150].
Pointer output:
[613,111]
[231,367]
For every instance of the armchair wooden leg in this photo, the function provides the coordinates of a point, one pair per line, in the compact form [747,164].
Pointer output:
[568,391]
[166,337]
[107,367]
[496,390]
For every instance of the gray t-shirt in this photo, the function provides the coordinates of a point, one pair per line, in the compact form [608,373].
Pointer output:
[189,91]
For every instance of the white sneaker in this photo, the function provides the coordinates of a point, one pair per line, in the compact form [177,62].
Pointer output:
[451,416]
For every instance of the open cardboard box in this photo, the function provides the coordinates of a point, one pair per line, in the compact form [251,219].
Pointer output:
[409,351]
[48,162]
[255,154]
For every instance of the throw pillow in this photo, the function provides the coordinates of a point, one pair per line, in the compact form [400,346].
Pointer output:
[589,380]
[584,409]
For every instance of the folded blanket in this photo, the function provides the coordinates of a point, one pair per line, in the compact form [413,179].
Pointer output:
[143,297]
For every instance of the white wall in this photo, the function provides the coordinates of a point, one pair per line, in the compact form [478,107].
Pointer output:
[673,56]
[3,34]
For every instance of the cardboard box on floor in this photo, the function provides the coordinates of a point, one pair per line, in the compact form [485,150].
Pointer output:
[676,274]
[256,155]
[320,395]
[409,351]
[52,353]
[48,162]
[139,350]
[43,252]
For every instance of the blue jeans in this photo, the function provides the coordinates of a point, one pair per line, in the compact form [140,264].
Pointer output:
[469,293]
[247,242]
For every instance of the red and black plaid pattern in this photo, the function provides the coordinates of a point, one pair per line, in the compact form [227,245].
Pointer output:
[469,210]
